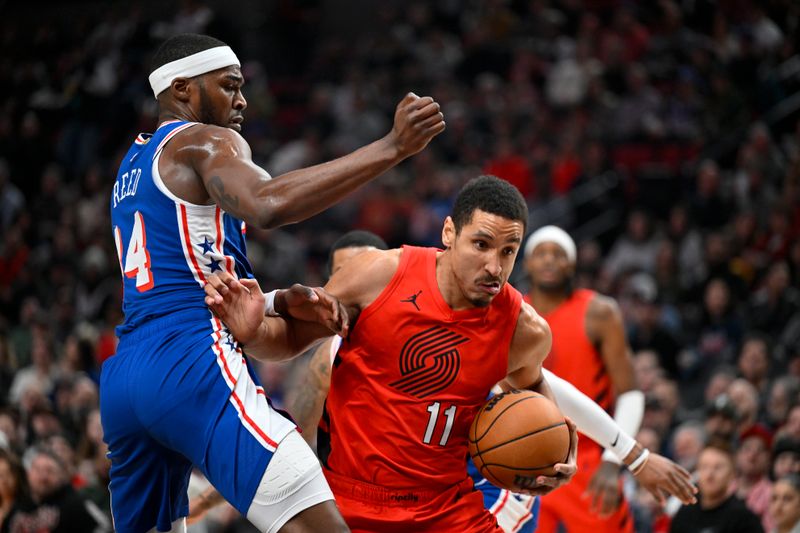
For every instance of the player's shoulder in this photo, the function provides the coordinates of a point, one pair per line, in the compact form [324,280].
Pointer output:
[602,307]
[375,260]
[531,326]
[207,140]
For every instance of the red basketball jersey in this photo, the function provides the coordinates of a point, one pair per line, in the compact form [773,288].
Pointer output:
[574,357]
[407,383]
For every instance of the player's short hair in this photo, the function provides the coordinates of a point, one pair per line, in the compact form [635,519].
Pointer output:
[181,46]
[491,195]
[355,239]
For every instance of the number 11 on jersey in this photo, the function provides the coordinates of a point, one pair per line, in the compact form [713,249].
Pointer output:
[137,260]
[449,413]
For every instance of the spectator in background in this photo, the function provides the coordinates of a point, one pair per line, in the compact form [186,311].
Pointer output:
[635,249]
[688,441]
[719,330]
[645,329]
[784,392]
[42,372]
[57,508]
[785,457]
[792,425]
[745,397]
[710,208]
[717,508]
[752,465]
[784,504]
[721,420]
[13,489]
[754,363]
[773,306]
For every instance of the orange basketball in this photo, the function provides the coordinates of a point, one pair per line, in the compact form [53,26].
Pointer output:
[517,436]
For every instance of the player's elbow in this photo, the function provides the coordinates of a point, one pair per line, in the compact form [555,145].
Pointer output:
[272,213]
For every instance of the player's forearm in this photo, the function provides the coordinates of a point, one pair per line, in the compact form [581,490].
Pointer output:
[279,339]
[628,414]
[590,418]
[305,405]
[302,193]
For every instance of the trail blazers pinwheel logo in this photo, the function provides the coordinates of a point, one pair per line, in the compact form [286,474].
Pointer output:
[429,362]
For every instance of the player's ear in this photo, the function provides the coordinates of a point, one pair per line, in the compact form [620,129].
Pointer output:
[181,89]
[448,232]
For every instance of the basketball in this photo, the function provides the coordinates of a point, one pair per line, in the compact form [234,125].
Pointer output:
[517,436]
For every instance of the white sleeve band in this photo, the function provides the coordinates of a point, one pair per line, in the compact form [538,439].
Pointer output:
[628,414]
[590,418]
[269,303]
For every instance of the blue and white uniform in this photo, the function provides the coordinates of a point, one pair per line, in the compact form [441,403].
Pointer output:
[179,390]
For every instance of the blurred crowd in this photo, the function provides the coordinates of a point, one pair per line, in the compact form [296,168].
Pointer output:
[664,135]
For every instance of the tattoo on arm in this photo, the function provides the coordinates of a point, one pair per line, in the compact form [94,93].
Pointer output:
[226,201]
[311,394]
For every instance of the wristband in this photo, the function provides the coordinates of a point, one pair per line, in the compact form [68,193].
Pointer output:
[269,303]
[636,466]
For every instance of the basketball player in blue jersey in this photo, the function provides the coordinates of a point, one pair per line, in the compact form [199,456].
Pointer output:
[179,391]
[515,513]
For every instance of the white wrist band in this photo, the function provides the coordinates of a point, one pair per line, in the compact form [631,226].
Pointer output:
[269,303]
[639,462]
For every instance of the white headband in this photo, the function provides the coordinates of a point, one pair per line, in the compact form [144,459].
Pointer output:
[191,66]
[555,235]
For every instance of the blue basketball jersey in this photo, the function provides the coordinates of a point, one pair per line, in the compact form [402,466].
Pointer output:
[166,246]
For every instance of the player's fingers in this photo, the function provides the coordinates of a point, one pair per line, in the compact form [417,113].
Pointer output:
[565,469]
[215,287]
[431,121]
[425,112]
[226,278]
[659,496]
[436,129]
[408,99]
[421,103]
[250,285]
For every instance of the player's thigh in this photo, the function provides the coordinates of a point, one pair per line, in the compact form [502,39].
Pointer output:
[147,480]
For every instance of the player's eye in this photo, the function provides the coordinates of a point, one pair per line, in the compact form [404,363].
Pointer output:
[481,245]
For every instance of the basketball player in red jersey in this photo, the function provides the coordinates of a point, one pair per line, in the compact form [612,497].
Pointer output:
[435,331]
[590,351]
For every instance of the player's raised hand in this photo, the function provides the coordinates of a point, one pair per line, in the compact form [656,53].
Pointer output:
[417,120]
[313,304]
[661,477]
[605,490]
[238,303]
[564,471]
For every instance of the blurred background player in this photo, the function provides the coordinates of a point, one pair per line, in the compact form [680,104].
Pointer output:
[591,352]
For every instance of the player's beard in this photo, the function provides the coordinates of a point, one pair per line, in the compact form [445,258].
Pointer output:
[206,107]
[559,287]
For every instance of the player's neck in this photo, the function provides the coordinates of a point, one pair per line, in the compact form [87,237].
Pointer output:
[546,301]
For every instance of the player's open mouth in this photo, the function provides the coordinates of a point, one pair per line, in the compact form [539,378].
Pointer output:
[491,288]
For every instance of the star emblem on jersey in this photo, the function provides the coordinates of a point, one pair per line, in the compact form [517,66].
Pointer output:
[208,246]
[214,265]
[429,362]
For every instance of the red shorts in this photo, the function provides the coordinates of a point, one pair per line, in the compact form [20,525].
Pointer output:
[370,508]
[567,505]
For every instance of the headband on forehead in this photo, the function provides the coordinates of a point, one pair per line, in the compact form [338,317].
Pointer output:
[552,234]
[191,66]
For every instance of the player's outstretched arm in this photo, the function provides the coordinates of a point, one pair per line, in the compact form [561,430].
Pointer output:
[240,305]
[223,160]
[657,473]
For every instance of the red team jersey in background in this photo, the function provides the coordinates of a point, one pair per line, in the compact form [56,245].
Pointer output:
[404,390]
[575,358]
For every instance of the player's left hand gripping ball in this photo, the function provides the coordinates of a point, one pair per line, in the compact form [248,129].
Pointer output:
[565,471]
